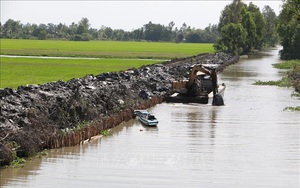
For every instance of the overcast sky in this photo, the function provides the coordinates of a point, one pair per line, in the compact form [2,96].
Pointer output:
[127,15]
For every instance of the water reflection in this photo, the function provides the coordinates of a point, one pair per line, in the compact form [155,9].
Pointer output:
[153,129]
[13,174]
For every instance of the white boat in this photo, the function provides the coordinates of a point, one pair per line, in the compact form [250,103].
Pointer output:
[146,118]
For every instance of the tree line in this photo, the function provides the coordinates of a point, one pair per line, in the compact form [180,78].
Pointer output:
[83,32]
[288,28]
[244,28]
[241,29]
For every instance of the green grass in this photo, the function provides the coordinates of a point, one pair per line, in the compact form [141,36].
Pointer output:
[118,56]
[290,64]
[284,82]
[291,108]
[108,49]
[22,71]
[267,83]
[105,132]
[291,78]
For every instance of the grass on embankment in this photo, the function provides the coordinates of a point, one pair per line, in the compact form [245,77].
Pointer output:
[106,49]
[22,71]
[291,78]
[287,64]
[285,81]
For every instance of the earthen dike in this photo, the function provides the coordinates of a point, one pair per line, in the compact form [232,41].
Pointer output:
[61,114]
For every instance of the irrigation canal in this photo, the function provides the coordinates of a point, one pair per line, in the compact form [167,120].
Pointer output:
[249,142]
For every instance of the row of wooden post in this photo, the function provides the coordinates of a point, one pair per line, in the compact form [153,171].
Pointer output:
[73,138]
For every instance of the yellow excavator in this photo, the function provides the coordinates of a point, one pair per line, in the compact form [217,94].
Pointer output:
[200,87]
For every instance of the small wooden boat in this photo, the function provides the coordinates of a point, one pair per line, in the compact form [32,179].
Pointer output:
[146,118]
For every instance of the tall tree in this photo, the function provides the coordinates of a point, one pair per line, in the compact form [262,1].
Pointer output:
[289,29]
[108,32]
[233,38]
[51,30]
[82,31]
[260,25]
[211,33]
[138,34]
[11,29]
[271,36]
[83,26]
[193,37]
[231,13]
[156,32]
[27,31]
[250,27]
[64,31]
[252,22]
[40,32]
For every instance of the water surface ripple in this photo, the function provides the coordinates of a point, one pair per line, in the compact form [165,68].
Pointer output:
[249,142]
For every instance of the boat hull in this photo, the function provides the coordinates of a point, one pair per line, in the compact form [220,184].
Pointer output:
[179,98]
[146,118]
[148,122]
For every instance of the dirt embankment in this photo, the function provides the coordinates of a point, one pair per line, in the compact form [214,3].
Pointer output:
[294,75]
[58,114]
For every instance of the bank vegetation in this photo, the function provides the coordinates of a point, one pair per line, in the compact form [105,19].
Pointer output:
[290,79]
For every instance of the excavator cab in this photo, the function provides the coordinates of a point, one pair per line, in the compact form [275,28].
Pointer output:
[199,82]
[202,82]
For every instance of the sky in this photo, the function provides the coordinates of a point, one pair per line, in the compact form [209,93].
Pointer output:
[126,15]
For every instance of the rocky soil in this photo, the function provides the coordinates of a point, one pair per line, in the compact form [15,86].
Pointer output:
[57,114]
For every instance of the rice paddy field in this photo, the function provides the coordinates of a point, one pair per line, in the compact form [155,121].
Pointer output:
[52,60]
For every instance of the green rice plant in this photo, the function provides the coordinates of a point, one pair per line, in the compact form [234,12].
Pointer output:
[103,49]
[117,56]
[22,71]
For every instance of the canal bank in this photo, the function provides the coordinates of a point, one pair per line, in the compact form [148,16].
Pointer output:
[249,142]
[59,114]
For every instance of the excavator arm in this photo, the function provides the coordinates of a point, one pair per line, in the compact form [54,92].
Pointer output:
[193,74]
[192,88]
[184,86]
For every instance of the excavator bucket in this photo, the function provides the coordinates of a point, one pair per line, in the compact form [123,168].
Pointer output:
[218,100]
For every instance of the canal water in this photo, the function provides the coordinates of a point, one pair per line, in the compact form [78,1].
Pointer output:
[249,142]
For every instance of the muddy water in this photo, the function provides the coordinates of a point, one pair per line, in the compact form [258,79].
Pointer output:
[250,142]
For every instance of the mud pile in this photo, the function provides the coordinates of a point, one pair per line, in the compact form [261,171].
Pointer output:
[58,114]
